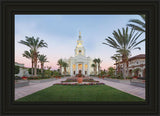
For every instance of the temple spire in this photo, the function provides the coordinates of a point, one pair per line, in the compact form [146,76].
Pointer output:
[80,35]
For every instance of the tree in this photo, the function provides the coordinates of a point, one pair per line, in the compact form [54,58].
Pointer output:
[124,42]
[117,58]
[94,66]
[60,63]
[29,55]
[137,24]
[111,71]
[34,45]
[99,62]
[16,71]
[42,59]
[65,65]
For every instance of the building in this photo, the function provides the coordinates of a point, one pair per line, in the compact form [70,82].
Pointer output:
[80,63]
[136,66]
[23,71]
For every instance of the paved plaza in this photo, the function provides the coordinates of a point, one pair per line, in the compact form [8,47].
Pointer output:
[32,88]
[133,90]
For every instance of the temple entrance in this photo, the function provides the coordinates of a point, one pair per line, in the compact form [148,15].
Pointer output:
[74,72]
[136,73]
[85,72]
[80,71]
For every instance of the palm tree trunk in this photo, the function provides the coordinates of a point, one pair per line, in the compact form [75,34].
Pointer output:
[32,67]
[124,76]
[35,69]
[98,68]
[41,68]
[35,66]
[65,71]
[127,67]
[61,70]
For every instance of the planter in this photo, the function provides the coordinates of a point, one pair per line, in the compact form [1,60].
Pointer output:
[80,79]
[41,81]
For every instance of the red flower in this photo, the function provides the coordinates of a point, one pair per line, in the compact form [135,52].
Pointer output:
[24,77]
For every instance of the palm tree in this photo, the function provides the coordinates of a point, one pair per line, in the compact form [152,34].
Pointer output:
[117,58]
[29,55]
[137,24]
[124,42]
[94,66]
[65,65]
[95,62]
[99,61]
[34,45]
[42,59]
[60,63]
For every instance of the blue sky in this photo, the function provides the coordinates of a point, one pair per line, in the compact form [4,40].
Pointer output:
[61,33]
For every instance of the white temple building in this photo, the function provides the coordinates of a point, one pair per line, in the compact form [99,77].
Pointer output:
[79,64]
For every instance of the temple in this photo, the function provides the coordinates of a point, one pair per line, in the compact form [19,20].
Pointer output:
[79,64]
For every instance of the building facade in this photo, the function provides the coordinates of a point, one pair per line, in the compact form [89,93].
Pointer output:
[136,66]
[79,64]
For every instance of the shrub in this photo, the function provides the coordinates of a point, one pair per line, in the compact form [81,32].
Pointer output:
[24,77]
[111,71]
[135,77]
[56,74]
[142,78]
[38,71]
[128,77]
[16,69]
[18,78]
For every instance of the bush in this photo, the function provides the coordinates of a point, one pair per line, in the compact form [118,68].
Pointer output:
[18,78]
[48,73]
[24,77]
[142,78]
[56,74]
[30,71]
[128,77]
[16,69]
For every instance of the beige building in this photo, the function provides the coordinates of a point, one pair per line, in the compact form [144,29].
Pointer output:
[136,66]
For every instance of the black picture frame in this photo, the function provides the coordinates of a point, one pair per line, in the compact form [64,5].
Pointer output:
[9,8]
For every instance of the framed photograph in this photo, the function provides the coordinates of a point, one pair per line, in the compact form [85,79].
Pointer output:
[79,57]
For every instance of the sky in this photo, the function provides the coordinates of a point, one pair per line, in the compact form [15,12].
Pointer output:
[61,33]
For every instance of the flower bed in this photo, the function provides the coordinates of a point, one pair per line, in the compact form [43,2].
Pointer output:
[78,84]
[85,79]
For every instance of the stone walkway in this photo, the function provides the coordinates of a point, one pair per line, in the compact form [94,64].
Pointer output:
[34,87]
[133,90]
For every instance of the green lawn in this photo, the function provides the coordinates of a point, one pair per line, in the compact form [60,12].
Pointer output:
[80,93]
